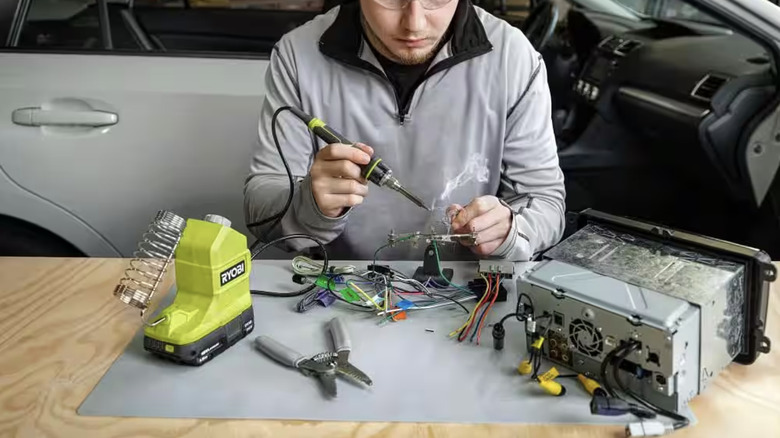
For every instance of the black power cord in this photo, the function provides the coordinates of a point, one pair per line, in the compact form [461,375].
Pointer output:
[304,290]
[527,311]
[433,294]
[278,216]
[255,251]
[680,421]
[606,363]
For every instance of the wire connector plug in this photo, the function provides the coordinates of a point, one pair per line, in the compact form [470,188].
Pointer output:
[498,336]
[610,406]
[648,428]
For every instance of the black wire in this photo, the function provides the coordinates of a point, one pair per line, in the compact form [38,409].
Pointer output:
[278,216]
[520,316]
[519,301]
[605,363]
[507,316]
[680,420]
[629,348]
[537,362]
[451,299]
[254,251]
[304,290]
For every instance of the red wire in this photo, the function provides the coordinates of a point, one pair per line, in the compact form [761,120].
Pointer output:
[488,290]
[487,312]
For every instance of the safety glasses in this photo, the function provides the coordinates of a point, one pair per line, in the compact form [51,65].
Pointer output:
[400,4]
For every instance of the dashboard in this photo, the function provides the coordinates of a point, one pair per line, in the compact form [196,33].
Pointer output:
[656,119]
[674,85]
[683,70]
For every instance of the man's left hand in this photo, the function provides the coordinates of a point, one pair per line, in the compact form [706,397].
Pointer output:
[485,216]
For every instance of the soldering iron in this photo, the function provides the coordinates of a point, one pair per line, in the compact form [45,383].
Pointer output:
[375,171]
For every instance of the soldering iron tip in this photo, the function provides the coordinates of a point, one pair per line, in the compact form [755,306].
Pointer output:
[412,198]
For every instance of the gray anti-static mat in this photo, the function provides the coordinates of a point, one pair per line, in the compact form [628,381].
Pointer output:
[419,376]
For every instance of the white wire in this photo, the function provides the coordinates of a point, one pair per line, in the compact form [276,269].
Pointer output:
[305,266]
[430,306]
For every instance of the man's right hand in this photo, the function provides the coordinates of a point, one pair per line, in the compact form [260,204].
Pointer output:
[336,181]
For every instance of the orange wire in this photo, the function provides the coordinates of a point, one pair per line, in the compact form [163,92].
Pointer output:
[476,311]
[487,312]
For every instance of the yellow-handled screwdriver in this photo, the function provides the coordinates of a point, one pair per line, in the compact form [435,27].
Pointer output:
[375,171]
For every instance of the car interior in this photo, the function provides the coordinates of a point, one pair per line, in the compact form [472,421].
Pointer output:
[652,115]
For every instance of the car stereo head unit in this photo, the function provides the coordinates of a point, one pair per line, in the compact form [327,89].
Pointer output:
[691,305]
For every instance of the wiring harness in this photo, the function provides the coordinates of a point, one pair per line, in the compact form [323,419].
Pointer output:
[643,428]
[604,401]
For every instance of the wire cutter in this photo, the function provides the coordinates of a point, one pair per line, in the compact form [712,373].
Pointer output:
[325,366]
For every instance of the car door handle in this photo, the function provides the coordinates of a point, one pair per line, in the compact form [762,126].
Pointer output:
[63,117]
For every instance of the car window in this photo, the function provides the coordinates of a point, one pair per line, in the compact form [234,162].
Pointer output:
[670,9]
[237,27]
[7,10]
[290,5]
[609,7]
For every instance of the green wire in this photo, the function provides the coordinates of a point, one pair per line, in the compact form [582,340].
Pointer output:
[438,266]
[376,253]
[438,262]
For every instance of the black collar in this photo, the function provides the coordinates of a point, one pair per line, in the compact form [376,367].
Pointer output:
[343,39]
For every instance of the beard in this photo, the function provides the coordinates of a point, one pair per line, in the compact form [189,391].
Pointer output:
[415,57]
[407,57]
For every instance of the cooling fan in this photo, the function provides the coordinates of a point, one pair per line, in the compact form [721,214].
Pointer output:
[586,338]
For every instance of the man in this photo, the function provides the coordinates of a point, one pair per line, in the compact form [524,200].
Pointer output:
[431,87]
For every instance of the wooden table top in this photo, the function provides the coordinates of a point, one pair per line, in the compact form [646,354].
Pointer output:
[61,329]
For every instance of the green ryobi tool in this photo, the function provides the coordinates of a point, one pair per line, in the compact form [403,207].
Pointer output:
[212,308]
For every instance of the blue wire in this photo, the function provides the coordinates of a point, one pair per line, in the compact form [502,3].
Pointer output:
[479,322]
[437,285]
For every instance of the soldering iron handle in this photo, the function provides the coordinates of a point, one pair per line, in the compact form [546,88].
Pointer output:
[330,135]
[374,171]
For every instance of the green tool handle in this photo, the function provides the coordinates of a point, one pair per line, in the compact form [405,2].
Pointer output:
[374,171]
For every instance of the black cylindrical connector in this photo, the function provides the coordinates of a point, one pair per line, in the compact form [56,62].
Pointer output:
[498,336]
[611,406]
[600,405]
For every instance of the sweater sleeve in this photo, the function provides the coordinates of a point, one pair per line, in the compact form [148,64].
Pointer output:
[532,183]
[267,186]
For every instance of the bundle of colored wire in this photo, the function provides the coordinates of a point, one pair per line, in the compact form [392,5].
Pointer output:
[373,287]
[303,265]
[459,330]
[483,318]
[485,304]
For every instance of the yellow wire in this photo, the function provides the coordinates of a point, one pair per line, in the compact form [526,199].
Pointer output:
[473,312]
[387,298]
[353,285]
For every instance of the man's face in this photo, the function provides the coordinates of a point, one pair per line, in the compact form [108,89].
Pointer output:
[404,31]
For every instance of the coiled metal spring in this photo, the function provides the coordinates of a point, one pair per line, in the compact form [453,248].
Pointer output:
[325,358]
[147,269]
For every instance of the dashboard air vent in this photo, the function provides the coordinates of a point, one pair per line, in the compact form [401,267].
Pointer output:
[706,88]
[610,43]
[627,46]
[618,46]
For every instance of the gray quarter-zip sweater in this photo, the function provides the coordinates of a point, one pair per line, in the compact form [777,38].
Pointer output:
[478,123]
